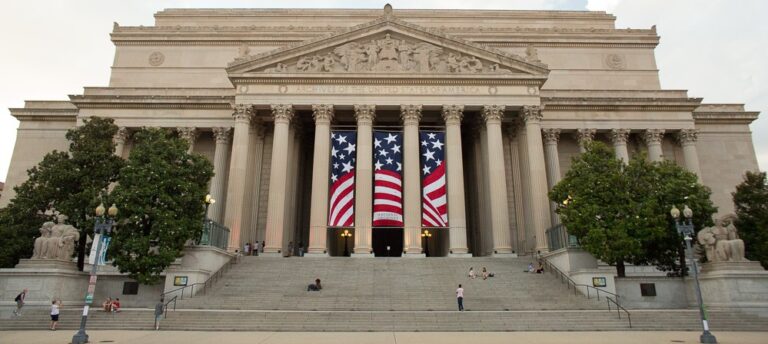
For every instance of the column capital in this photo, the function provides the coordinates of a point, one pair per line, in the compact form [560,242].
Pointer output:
[282,113]
[121,135]
[585,136]
[493,113]
[452,114]
[243,112]
[551,136]
[653,136]
[187,133]
[619,136]
[222,134]
[322,113]
[687,136]
[531,113]
[365,113]
[411,114]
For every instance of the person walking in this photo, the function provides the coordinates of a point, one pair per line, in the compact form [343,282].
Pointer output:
[263,244]
[55,308]
[290,249]
[256,248]
[159,313]
[247,249]
[20,302]
[460,297]
[301,249]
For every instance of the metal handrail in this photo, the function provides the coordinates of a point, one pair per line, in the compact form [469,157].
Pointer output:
[165,307]
[570,282]
[208,282]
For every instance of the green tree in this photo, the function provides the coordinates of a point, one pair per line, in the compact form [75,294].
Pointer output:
[160,195]
[751,201]
[72,182]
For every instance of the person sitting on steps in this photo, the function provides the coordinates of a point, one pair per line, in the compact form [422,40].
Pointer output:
[315,287]
[472,272]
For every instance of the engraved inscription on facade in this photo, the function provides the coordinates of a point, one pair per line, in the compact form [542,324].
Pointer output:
[377,89]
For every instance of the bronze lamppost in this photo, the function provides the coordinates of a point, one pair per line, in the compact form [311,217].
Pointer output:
[346,235]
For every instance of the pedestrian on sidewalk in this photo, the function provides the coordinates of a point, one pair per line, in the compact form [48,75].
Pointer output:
[256,248]
[247,249]
[460,297]
[159,313]
[55,308]
[20,302]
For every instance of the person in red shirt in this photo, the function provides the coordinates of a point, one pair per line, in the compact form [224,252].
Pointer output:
[116,305]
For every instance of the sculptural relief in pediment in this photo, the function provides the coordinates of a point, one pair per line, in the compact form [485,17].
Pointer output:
[387,55]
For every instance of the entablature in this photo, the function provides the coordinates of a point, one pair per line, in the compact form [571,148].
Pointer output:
[154,98]
[45,110]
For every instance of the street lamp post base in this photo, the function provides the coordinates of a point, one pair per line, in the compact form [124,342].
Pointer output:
[81,338]
[707,337]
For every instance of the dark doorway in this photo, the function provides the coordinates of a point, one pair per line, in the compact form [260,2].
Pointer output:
[387,237]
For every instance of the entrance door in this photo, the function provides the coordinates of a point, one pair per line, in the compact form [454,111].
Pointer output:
[387,237]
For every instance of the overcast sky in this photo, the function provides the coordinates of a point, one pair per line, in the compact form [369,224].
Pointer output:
[715,49]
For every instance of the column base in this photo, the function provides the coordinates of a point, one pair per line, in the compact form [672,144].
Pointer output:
[414,255]
[362,255]
[504,255]
[316,255]
[460,255]
[271,254]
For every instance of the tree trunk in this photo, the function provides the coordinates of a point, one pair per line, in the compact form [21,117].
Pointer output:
[81,250]
[683,265]
[620,268]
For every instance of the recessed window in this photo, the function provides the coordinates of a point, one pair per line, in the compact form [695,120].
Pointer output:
[648,289]
[130,288]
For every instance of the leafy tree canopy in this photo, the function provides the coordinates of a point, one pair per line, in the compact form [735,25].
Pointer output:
[751,201]
[160,197]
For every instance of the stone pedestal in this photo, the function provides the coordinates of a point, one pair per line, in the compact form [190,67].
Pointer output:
[46,279]
[742,285]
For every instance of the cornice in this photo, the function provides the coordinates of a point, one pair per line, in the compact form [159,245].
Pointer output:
[383,79]
[725,117]
[43,115]
[620,104]
[153,102]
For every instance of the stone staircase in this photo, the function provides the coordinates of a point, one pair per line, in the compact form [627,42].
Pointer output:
[388,294]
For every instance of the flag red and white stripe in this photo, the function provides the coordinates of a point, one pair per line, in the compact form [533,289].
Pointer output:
[342,192]
[387,179]
[434,198]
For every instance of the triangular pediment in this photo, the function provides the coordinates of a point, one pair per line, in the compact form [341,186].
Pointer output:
[386,45]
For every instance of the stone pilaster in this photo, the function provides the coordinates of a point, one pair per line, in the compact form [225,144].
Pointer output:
[457,218]
[619,138]
[190,135]
[551,137]
[119,139]
[492,114]
[318,215]
[411,115]
[585,137]
[363,180]
[237,174]
[220,155]
[278,179]
[539,202]
[653,138]
[687,139]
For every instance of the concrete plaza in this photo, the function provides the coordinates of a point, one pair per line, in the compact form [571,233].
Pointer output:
[194,337]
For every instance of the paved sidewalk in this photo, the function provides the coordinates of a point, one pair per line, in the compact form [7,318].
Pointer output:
[193,337]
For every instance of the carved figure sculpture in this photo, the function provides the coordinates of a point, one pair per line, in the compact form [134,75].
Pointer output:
[38,251]
[531,54]
[721,241]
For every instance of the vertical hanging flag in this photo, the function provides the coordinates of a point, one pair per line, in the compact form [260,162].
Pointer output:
[342,202]
[387,179]
[434,201]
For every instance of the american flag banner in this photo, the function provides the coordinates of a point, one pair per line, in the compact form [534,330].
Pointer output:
[387,179]
[342,202]
[434,199]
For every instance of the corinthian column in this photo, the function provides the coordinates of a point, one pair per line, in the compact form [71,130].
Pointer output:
[619,138]
[189,134]
[517,186]
[237,178]
[120,137]
[363,180]
[653,139]
[411,115]
[278,181]
[687,138]
[585,137]
[492,115]
[219,167]
[551,137]
[539,201]
[318,214]
[457,218]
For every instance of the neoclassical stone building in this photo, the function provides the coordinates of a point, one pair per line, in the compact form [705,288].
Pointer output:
[517,93]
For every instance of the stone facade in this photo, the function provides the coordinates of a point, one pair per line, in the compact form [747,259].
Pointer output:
[519,93]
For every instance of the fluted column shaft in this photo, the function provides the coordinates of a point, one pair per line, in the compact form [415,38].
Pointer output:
[687,138]
[318,214]
[120,137]
[619,138]
[653,138]
[492,114]
[539,202]
[517,186]
[411,115]
[237,174]
[551,137]
[457,218]
[364,179]
[222,137]
[278,179]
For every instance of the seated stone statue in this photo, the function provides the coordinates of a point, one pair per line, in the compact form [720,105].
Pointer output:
[721,241]
[57,241]
[45,234]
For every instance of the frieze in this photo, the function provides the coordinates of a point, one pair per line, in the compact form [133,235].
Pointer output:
[383,89]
